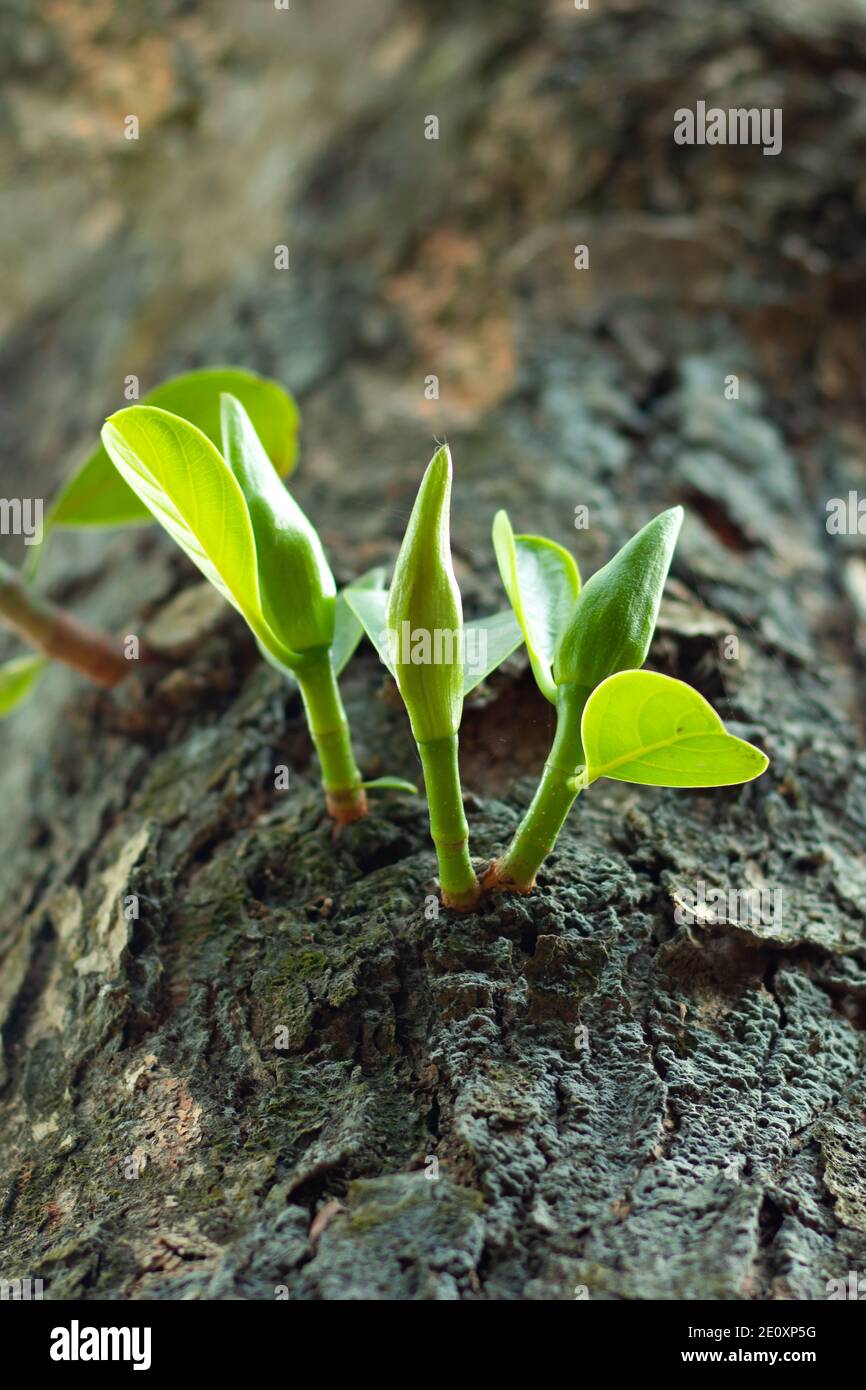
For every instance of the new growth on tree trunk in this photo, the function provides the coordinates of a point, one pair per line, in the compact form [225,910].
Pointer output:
[229,510]
[612,720]
[238,523]
[424,594]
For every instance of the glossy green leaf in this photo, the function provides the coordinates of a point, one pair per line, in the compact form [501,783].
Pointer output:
[486,644]
[613,620]
[98,496]
[18,680]
[542,583]
[639,726]
[370,608]
[348,629]
[397,784]
[274,661]
[425,612]
[296,585]
[190,489]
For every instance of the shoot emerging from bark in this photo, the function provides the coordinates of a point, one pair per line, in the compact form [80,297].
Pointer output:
[236,521]
[436,660]
[613,720]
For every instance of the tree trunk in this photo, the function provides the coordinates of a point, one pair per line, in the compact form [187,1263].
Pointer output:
[245,1059]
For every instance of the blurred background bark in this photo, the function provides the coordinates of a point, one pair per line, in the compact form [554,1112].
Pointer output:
[617,1104]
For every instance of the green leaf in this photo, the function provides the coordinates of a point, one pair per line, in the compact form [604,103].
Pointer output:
[18,680]
[190,489]
[425,613]
[542,582]
[639,726]
[613,620]
[98,496]
[370,608]
[274,661]
[486,644]
[295,581]
[348,630]
[398,784]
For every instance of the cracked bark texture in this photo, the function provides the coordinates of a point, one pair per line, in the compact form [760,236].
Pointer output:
[619,1106]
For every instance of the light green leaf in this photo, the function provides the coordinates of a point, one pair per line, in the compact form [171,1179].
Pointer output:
[98,496]
[348,630]
[542,582]
[276,663]
[18,680]
[295,581]
[370,608]
[398,784]
[190,489]
[639,726]
[486,644]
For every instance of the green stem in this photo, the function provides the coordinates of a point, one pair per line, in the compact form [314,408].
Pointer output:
[537,833]
[448,827]
[329,728]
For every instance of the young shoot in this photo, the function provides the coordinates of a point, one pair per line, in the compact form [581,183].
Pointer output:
[237,522]
[436,660]
[96,494]
[613,720]
[56,636]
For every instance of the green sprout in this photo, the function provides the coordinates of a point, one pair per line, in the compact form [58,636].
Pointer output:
[234,518]
[96,495]
[436,660]
[613,720]
[206,455]
[55,635]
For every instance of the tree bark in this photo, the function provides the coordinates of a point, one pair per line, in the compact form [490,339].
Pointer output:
[242,1058]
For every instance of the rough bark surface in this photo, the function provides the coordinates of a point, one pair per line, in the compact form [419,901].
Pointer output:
[617,1103]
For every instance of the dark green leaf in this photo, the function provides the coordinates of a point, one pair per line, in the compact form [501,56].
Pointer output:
[348,629]
[614,617]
